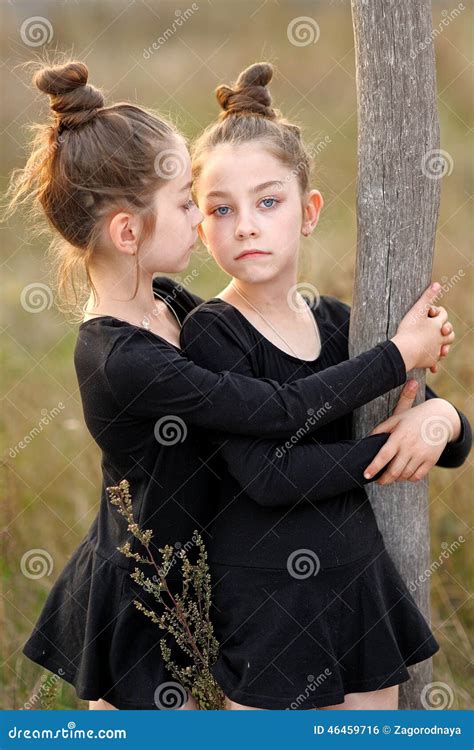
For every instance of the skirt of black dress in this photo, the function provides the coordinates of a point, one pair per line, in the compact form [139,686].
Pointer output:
[285,642]
[306,642]
[91,634]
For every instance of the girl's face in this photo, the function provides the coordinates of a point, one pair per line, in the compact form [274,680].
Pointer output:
[177,218]
[254,212]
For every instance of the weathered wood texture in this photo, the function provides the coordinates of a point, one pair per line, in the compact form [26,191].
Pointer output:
[397,209]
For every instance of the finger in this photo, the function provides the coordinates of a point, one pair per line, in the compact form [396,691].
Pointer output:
[393,471]
[386,426]
[420,472]
[433,311]
[449,338]
[442,315]
[407,397]
[444,350]
[434,369]
[385,454]
[410,469]
[428,296]
[447,328]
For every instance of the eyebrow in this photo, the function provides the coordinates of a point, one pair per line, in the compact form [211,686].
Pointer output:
[256,189]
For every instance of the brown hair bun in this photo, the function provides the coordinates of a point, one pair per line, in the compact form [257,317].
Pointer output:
[250,94]
[73,101]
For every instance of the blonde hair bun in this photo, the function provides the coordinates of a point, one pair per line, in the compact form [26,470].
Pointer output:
[249,94]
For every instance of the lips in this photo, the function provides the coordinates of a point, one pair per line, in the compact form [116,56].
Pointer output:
[252,253]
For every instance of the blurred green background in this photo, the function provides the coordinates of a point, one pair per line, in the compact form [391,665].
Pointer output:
[51,487]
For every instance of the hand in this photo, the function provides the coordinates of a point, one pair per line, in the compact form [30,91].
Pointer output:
[445,330]
[422,335]
[418,436]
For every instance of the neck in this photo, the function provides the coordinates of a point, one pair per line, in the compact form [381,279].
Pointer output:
[267,295]
[115,288]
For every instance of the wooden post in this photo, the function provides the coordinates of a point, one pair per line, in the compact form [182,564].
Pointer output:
[397,210]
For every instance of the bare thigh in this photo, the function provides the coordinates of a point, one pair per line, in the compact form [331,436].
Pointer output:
[385,700]
[102,705]
[233,706]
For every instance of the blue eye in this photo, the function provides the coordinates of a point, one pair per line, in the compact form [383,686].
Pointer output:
[269,202]
[220,209]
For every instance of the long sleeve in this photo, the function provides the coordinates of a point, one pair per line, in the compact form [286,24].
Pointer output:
[456,452]
[271,472]
[274,476]
[150,379]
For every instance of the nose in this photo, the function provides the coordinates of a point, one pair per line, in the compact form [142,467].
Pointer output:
[245,227]
[197,218]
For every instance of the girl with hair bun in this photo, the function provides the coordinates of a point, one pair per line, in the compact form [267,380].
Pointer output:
[310,610]
[114,184]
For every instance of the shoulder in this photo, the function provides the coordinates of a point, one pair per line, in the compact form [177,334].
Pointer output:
[115,355]
[215,330]
[177,293]
[333,311]
[216,317]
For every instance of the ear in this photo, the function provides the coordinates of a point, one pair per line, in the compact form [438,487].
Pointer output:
[123,230]
[311,208]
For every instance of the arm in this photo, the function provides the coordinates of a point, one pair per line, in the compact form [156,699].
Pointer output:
[149,379]
[456,451]
[274,474]
[176,294]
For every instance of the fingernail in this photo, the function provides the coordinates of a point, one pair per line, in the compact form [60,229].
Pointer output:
[435,286]
[367,475]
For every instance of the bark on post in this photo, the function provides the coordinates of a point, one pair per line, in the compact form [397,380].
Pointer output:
[397,210]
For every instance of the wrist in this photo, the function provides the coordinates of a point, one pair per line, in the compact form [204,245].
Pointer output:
[455,420]
[404,347]
[450,413]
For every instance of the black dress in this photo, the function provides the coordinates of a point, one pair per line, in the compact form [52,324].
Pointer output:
[308,605]
[145,405]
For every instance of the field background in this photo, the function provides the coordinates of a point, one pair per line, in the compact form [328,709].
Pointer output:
[51,487]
